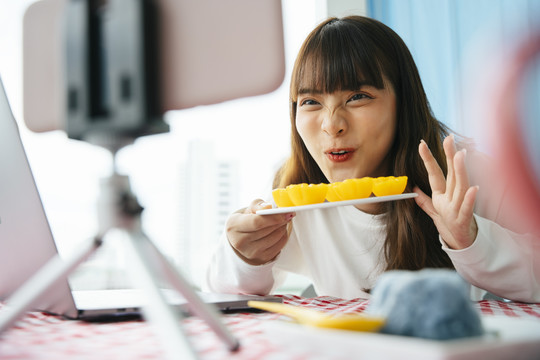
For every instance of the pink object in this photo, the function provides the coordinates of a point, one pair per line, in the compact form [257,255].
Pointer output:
[508,137]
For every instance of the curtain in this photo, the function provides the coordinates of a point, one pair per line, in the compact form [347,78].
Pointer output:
[439,34]
[447,36]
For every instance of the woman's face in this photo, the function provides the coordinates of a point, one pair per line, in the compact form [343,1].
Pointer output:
[348,133]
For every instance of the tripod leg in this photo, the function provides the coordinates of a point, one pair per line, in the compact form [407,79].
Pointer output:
[165,320]
[33,289]
[194,302]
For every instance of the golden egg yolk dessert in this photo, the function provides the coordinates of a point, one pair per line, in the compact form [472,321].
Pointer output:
[350,189]
[389,185]
[306,194]
[281,198]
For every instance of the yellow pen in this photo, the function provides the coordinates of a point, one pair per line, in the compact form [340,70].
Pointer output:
[356,322]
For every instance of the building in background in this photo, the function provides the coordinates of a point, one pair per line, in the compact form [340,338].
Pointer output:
[208,195]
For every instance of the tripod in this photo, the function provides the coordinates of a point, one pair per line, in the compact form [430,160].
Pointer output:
[121,217]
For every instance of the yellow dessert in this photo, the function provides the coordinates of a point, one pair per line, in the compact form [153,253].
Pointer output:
[281,198]
[305,194]
[389,185]
[350,189]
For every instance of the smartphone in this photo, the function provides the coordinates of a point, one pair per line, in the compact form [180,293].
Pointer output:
[81,69]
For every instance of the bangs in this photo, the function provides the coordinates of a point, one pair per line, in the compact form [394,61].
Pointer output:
[336,58]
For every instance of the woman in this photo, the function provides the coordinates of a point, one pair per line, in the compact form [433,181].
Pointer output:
[358,109]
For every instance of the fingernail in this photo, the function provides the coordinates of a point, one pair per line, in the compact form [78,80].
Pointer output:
[265,204]
[425,143]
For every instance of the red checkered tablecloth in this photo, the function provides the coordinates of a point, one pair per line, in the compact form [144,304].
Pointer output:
[43,336]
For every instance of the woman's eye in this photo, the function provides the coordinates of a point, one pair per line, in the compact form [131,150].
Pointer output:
[356,97]
[308,102]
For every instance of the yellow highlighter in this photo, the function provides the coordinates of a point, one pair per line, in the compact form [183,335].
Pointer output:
[356,322]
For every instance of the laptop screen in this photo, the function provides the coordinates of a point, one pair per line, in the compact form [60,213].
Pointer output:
[26,242]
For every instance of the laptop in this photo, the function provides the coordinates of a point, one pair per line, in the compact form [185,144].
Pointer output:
[27,244]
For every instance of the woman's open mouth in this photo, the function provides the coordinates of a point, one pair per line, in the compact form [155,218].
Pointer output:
[339,155]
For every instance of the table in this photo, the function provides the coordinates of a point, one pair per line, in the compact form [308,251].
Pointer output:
[43,336]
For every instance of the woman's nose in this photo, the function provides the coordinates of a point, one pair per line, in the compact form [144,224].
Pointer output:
[334,123]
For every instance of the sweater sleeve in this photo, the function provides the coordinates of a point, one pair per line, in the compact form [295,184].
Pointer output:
[501,262]
[227,273]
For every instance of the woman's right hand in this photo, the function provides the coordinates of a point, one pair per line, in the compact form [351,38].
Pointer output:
[258,239]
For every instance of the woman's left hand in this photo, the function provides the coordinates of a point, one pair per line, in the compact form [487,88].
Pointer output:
[452,200]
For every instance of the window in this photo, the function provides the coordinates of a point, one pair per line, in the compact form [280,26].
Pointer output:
[243,141]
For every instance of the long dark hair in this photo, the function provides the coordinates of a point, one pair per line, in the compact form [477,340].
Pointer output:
[343,54]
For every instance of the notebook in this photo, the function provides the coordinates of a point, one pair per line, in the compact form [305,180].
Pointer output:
[26,243]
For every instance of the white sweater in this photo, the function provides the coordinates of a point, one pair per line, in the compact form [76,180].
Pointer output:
[340,250]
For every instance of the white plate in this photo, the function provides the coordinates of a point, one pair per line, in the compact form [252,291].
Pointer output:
[324,205]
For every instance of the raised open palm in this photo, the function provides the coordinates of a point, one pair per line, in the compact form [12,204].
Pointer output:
[452,202]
